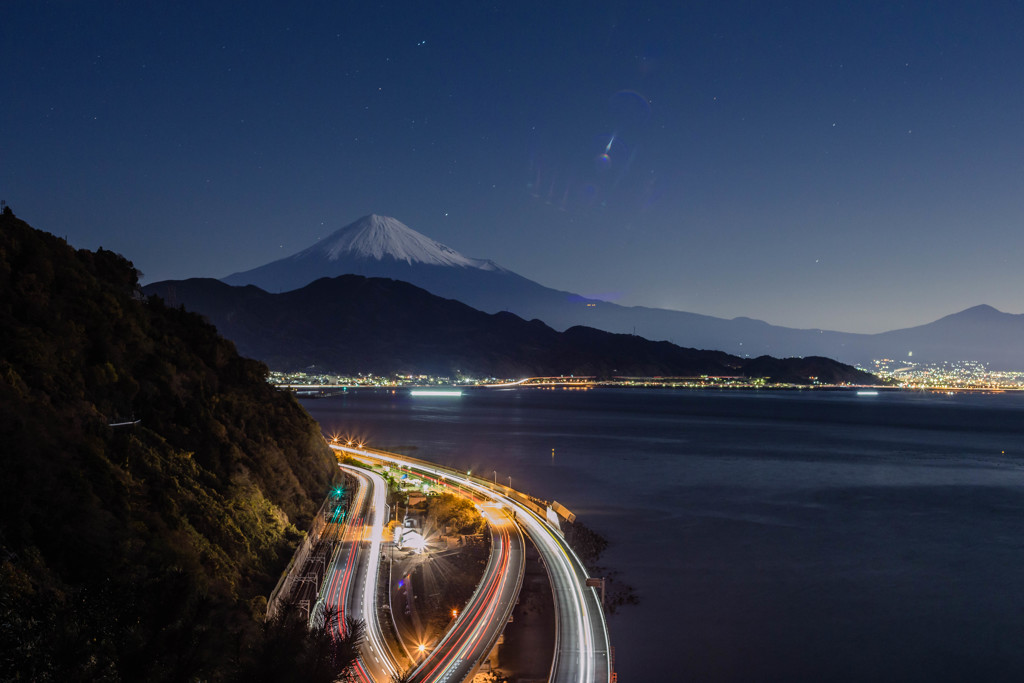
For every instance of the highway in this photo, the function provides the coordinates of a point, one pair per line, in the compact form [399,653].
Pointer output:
[351,582]
[582,650]
[468,642]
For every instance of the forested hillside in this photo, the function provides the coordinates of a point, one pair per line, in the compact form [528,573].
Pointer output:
[141,551]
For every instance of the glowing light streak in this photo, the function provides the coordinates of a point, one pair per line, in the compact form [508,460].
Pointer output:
[589,650]
[470,633]
[374,644]
[435,392]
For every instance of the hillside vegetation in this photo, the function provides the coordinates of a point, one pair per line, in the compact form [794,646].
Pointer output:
[142,551]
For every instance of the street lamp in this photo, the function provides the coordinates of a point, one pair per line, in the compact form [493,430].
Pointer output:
[495,476]
[510,481]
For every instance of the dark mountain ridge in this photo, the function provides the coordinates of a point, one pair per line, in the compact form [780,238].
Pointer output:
[352,324]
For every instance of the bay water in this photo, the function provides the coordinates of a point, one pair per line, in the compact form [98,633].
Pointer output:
[770,536]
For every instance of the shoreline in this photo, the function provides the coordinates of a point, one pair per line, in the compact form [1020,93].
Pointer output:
[331,391]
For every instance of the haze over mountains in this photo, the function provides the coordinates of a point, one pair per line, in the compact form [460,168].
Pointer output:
[379,246]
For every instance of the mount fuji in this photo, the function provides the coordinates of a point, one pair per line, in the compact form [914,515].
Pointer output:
[373,243]
[380,246]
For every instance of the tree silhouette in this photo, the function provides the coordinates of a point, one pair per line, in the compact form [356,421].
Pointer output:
[292,650]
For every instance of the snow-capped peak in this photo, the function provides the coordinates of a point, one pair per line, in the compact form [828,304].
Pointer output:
[382,237]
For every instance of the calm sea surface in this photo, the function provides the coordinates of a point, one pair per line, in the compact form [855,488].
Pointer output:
[771,536]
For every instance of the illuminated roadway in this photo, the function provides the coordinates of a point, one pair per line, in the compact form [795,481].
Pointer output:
[468,642]
[351,581]
[582,645]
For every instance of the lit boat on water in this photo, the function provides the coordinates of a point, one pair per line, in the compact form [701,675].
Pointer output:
[867,392]
[435,392]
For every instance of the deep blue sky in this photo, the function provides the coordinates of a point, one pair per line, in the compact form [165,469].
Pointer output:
[855,166]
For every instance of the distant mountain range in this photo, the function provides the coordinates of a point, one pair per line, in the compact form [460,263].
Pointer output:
[353,324]
[379,246]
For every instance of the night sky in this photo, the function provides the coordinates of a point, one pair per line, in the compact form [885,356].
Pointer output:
[855,166]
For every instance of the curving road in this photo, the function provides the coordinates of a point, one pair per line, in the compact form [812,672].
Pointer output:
[473,635]
[351,581]
[582,651]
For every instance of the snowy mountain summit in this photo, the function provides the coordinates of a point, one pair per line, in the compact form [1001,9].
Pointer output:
[374,246]
[382,237]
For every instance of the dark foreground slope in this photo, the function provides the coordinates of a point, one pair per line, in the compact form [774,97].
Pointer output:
[352,324]
[137,552]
